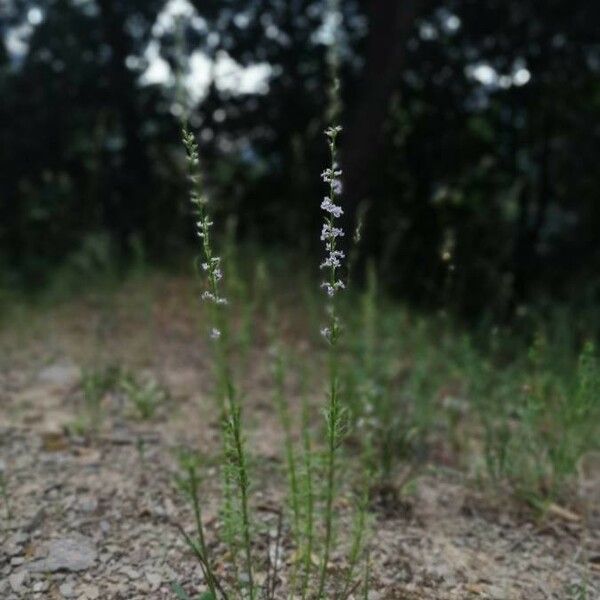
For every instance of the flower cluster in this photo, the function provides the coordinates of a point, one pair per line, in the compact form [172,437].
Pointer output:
[332,288]
[211,265]
[328,206]
[333,178]
[330,232]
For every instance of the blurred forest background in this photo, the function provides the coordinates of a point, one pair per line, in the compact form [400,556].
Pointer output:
[471,140]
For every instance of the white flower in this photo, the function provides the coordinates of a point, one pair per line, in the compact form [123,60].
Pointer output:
[331,289]
[330,175]
[210,297]
[333,260]
[330,232]
[328,206]
[215,334]
[331,132]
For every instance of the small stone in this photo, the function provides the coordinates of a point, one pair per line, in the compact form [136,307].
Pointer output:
[36,520]
[41,586]
[67,591]
[90,591]
[17,581]
[154,579]
[131,573]
[60,374]
[14,543]
[73,553]
[54,441]
[87,504]
[244,578]
[17,561]
[496,593]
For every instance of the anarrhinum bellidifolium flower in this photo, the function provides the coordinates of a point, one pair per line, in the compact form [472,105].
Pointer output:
[236,512]
[211,264]
[333,284]
[331,233]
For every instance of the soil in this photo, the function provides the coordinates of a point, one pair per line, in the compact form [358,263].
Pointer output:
[95,514]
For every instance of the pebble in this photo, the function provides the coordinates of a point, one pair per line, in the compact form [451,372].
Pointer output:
[87,504]
[15,543]
[41,586]
[67,591]
[62,374]
[154,579]
[91,592]
[73,553]
[131,573]
[17,581]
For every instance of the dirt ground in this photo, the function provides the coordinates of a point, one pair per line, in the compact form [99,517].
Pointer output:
[95,516]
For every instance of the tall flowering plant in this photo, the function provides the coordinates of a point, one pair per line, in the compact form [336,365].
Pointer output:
[237,514]
[332,285]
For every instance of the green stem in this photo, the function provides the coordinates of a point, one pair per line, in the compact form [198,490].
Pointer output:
[243,488]
[332,442]
[309,525]
[200,531]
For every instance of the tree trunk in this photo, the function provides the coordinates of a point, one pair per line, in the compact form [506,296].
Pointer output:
[124,209]
[390,22]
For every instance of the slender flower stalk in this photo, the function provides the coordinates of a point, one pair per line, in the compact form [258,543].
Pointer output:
[308,496]
[332,285]
[279,371]
[235,468]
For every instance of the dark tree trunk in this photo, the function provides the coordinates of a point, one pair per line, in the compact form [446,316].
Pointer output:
[390,22]
[532,217]
[124,208]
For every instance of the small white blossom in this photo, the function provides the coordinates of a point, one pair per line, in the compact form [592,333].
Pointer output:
[328,206]
[333,260]
[332,132]
[215,334]
[331,289]
[326,333]
[329,175]
[330,232]
[210,297]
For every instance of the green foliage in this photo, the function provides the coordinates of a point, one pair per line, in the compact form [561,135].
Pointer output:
[143,394]
[146,395]
[182,595]
[95,383]
[4,494]
[578,591]
[189,483]
[539,415]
